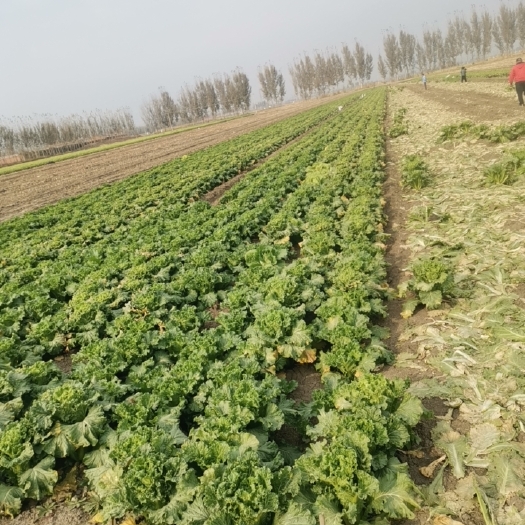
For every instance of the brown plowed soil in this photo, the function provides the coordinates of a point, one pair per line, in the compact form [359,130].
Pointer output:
[472,105]
[31,189]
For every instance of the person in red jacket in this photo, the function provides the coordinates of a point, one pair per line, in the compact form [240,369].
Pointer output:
[517,75]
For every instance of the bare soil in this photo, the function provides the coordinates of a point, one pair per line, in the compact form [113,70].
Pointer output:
[53,515]
[472,105]
[31,189]
[308,380]
[490,63]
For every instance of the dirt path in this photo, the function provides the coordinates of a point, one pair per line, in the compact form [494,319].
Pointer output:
[471,104]
[29,190]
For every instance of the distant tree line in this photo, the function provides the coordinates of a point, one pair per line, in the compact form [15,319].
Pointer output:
[220,95]
[329,71]
[463,39]
[312,75]
[21,136]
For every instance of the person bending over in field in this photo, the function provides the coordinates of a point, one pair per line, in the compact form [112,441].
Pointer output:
[517,76]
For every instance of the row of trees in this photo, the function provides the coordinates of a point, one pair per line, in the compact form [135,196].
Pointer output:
[20,136]
[224,94]
[327,72]
[463,39]
[272,84]
[316,75]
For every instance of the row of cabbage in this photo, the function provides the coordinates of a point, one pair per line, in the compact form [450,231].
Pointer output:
[44,256]
[173,405]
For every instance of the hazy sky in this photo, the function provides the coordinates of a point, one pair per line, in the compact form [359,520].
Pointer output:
[65,56]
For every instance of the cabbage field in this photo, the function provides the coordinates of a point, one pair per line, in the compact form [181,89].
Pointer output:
[145,337]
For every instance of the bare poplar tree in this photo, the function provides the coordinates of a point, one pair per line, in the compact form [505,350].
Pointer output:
[7,141]
[431,53]
[231,93]
[486,25]
[212,100]
[392,54]
[184,106]
[421,58]
[439,47]
[202,95]
[337,70]
[219,84]
[505,29]
[198,108]
[468,39]
[192,104]
[303,74]
[453,42]
[321,74]
[34,137]
[449,49]
[407,52]
[349,64]
[272,84]
[242,90]
[381,67]
[364,63]
[298,87]
[308,74]
[520,24]
[476,33]
[369,66]
[459,30]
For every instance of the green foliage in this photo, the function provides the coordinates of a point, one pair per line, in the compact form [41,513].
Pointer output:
[10,500]
[180,314]
[39,480]
[399,125]
[508,170]
[431,283]
[499,134]
[355,467]
[414,172]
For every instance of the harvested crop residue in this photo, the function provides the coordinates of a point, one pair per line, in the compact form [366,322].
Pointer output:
[466,359]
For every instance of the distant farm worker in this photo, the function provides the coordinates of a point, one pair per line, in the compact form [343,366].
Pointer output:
[424,80]
[463,74]
[517,76]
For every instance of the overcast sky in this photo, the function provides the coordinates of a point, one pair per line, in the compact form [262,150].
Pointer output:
[66,56]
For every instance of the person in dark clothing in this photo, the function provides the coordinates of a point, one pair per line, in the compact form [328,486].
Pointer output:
[463,74]
[517,76]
